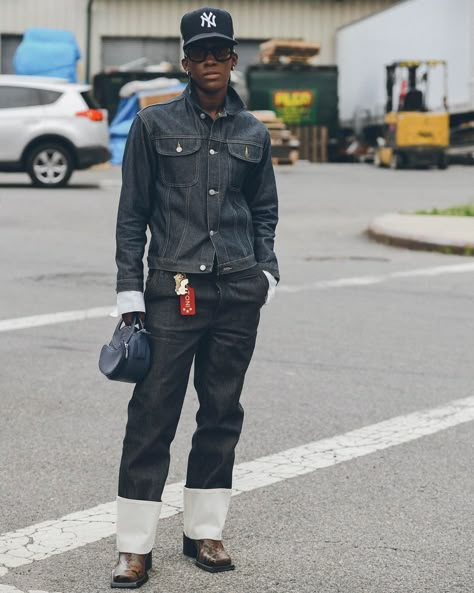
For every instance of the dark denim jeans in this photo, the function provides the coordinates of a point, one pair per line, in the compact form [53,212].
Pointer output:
[220,339]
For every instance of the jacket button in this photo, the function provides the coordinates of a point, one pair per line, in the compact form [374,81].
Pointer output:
[203,116]
[212,192]
[212,151]
[211,233]
[202,267]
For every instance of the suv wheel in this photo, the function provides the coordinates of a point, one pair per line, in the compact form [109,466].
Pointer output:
[49,165]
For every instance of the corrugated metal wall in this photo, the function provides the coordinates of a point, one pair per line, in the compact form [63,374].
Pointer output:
[18,15]
[472,52]
[315,20]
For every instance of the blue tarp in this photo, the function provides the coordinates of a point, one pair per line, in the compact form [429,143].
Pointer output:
[48,52]
[122,122]
[120,126]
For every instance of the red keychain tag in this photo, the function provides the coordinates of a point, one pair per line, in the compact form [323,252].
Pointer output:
[187,302]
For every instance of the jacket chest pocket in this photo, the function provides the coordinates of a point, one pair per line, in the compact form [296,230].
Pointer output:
[178,160]
[242,159]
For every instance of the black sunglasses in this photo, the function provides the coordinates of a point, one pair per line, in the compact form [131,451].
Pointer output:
[197,53]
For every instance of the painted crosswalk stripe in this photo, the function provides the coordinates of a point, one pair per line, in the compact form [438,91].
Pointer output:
[75,530]
[97,312]
[378,279]
[11,589]
[53,318]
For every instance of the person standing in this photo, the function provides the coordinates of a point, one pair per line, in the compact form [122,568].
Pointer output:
[198,173]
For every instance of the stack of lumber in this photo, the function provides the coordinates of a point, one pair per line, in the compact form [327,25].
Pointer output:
[288,51]
[313,142]
[285,146]
[152,91]
[152,99]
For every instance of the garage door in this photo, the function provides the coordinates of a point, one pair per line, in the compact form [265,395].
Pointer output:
[249,52]
[8,45]
[117,51]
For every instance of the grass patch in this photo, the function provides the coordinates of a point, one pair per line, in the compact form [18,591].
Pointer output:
[464,210]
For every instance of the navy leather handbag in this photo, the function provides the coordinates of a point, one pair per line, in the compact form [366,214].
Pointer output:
[127,358]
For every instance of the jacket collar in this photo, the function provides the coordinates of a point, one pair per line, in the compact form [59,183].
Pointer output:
[233,103]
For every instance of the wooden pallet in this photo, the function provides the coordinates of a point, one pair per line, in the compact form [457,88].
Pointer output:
[291,159]
[147,100]
[285,60]
[280,136]
[284,143]
[313,142]
[288,51]
[274,125]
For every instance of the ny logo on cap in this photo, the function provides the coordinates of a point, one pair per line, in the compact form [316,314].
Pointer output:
[210,19]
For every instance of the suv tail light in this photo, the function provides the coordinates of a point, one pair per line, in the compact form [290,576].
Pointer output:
[92,114]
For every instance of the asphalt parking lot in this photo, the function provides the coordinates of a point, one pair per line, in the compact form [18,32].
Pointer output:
[361,337]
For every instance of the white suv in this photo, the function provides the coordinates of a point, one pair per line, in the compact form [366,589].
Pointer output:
[50,127]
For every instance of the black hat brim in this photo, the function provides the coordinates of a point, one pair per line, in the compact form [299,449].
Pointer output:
[210,36]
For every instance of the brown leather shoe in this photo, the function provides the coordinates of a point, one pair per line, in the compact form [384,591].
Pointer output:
[130,572]
[209,553]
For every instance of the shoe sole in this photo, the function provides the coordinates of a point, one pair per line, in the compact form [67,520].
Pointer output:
[131,585]
[208,568]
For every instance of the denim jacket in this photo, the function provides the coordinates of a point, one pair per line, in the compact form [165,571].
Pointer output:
[205,188]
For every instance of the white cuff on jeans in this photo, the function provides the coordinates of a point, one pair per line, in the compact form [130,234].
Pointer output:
[136,525]
[272,283]
[205,512]
[129,301]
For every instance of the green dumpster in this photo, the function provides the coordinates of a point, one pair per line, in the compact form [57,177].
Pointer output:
[300,94]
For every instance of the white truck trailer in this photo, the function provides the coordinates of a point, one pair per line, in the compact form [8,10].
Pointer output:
[409,30]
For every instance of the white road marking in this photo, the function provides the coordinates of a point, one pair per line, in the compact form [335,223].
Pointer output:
[368,280]
[11,589]
[49,538]
[80,315]
[53,318]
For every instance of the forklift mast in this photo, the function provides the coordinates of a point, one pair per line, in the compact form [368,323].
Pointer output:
[415,100]
[390,84]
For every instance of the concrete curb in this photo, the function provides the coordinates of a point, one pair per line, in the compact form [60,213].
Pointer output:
[448,234]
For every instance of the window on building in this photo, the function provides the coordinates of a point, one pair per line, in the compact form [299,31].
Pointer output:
[8,45]
[248,51]
[117,51]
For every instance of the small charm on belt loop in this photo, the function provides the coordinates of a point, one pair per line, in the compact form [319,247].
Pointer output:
[181,283]
[178,148]
[246,152]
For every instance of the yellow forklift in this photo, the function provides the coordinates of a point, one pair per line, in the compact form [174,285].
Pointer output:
[413,135]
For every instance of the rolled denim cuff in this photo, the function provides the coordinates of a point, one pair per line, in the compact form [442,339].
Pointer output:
[137,521]
[205,512]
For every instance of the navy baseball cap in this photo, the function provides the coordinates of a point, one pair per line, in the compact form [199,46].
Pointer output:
[207,23]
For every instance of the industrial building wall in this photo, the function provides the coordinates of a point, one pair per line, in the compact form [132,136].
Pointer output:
[18,15]
[431,30]
[314,20]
